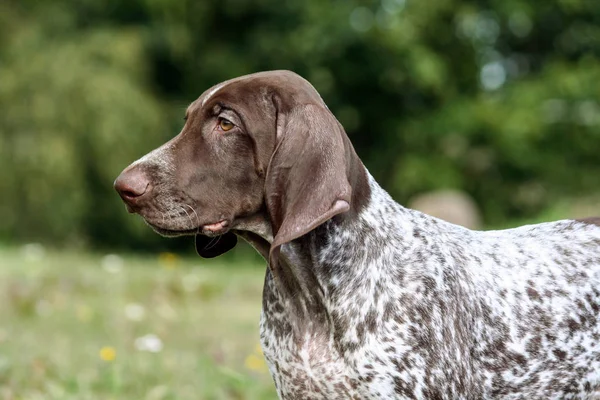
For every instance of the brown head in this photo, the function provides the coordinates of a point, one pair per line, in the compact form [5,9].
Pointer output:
[262,147]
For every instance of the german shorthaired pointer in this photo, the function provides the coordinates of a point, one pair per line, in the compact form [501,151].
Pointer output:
[363,298]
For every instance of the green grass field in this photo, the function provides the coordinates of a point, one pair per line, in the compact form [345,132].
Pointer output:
[81,326]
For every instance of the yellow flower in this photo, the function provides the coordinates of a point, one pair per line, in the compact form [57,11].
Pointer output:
[108,353]
[168,260]
[256,360]
[255,363]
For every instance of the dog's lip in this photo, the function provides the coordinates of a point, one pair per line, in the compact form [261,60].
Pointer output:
[212,229]
[172,232]
[217,227]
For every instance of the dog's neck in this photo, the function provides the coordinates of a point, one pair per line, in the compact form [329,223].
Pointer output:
[328,266]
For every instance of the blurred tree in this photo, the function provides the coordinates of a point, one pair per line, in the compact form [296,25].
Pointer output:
[498,98]
[76,106]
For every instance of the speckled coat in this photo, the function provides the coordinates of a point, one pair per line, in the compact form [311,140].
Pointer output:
[404,305]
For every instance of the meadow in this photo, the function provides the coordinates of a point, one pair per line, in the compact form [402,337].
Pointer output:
[76,325]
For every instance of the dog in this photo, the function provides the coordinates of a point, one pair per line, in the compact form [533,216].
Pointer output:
[363,298]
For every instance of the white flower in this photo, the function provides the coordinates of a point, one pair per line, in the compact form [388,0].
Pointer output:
[191,282]
[112,263]
[135,312]
[33,252]
[43,308]
[150,342]
[158,392]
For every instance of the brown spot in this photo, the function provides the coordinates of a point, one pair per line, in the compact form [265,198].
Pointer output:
[371,321]
[368,377]
[560,354]
[543,317]
[499,386]
[553,385]
[432,393]
[592,303]
[572,387]
[573,325]
[519,359]
[388,311]
[533,294]
[353,383]
[533,346]
[360,332]
[402,388]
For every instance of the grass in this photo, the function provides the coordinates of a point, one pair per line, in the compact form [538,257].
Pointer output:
[83,326]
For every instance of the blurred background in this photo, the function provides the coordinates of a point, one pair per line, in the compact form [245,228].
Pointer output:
[483,112]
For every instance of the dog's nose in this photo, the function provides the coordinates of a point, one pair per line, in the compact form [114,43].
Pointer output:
[131,185]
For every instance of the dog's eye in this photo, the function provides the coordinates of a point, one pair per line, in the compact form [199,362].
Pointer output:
[225,124]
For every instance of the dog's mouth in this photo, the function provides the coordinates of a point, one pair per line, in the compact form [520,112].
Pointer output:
[211,240]
[213,229]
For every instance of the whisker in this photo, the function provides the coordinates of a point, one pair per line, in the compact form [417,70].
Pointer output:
[187,214]
[197,218]
[212,243]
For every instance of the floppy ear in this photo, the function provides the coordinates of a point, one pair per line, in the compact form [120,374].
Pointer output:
[209,247]
[307,179]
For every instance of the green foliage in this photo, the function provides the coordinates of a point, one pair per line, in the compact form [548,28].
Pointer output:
[498,98]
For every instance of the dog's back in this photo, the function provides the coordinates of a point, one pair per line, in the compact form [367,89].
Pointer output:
[539,288]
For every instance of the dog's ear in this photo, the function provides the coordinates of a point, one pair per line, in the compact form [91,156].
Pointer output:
[307,179]
[209,247]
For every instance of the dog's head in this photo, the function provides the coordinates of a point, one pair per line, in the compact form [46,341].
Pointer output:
[260,145]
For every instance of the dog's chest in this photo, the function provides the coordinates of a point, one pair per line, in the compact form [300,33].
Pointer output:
[358,362]
[307,368]
[303,361]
